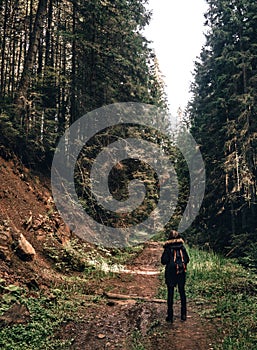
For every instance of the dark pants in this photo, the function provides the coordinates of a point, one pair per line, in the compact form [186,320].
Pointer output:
[181,280]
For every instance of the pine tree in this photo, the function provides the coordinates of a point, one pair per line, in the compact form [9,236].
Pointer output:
[61,58]
[223,117]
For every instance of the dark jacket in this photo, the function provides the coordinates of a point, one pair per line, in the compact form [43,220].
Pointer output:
[171,276]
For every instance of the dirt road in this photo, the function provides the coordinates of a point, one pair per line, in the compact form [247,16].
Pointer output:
[134,324]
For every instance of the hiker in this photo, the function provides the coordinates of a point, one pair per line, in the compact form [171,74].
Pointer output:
[175,258]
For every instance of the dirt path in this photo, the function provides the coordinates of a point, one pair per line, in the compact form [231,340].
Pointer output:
[131,324]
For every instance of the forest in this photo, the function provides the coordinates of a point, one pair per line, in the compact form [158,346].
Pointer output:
[61,59]
[223,120]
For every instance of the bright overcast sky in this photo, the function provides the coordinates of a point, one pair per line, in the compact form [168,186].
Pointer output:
[176,30]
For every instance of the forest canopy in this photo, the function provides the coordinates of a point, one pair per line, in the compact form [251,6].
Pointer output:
[63,58]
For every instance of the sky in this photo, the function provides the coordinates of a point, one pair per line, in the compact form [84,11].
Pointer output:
[177,32]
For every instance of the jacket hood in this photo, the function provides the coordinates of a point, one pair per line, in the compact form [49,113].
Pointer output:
[174,241]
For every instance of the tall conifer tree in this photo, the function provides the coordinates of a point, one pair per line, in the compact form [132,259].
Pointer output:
[223,117]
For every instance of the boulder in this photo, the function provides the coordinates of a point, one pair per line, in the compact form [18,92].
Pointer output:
[22,247]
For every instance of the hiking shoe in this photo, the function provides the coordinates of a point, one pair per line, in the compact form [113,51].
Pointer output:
[169,319]
[183,317]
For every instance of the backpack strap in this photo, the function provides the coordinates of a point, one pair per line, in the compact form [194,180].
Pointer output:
[183,261]
[174,258]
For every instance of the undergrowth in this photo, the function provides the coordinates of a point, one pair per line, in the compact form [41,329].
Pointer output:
[137,341]
[64,301]
[46,315]
[225,293]
[78,256]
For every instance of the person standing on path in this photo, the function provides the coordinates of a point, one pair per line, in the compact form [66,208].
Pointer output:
[175,258]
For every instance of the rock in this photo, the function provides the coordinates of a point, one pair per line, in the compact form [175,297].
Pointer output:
[28,222]
[101,336]
[5,242]
[23,248]
[14,239]
[17,314]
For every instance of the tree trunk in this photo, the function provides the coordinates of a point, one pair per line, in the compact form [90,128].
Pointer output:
[73,68]
[49,54]
[2,83]
[30,58]
[133,297]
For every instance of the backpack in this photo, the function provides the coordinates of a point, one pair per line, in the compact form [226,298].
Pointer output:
[178,258]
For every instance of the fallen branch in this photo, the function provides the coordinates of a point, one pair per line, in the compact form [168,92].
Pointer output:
[133,297]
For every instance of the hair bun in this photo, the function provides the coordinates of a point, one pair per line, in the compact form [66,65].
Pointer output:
[173,234]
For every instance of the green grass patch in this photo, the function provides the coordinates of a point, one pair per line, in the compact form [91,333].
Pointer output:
[137,342]
[39,333]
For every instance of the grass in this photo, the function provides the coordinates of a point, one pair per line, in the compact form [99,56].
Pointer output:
[46,315]
[137,341]
[226,293]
